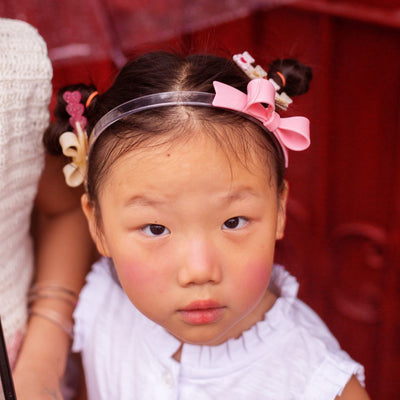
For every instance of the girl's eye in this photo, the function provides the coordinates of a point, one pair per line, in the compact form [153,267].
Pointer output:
[155,230]
[234,223]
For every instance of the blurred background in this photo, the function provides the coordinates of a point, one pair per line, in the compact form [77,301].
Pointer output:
[343,230]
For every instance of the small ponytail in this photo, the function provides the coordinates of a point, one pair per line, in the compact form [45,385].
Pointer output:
[61,121]
[291,75]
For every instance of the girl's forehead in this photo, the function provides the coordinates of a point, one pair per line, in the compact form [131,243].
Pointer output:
[199,159]
[242,139]
[184,174]
[203,146]
[202,151]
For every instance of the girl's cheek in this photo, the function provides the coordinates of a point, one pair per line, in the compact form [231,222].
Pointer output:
[137,277]
[135,273]
[256,276]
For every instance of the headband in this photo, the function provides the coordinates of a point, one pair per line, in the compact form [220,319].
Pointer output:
[156,100]
[287,133]
[258,106]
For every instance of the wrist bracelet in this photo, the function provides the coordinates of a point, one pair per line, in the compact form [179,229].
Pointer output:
[54,317]
[32,297]
[51,286]
[51,290]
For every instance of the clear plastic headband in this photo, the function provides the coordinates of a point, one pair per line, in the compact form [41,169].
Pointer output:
[165,99]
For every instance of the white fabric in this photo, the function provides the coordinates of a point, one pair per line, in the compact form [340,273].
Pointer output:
[290,355]
[25,90]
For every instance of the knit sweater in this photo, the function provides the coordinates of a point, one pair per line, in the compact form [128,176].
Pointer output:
[25,90]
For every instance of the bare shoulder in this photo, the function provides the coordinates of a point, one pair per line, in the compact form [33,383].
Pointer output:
[353,391]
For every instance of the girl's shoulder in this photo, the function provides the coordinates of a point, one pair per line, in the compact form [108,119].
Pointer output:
[315,356]
[101,302]
[291,314]
[353,391]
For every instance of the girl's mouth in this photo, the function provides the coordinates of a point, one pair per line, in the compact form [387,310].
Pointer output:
[202,312]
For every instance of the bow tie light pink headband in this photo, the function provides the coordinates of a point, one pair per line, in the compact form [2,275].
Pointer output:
[291,133]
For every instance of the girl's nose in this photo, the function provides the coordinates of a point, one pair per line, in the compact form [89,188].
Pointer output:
[200,264]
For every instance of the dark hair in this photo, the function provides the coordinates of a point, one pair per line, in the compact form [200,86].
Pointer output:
[164,72]
[297,76]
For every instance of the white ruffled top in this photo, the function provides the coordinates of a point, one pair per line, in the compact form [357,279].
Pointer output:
[290,355]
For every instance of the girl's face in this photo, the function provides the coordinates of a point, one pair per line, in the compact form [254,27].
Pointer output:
[192,232]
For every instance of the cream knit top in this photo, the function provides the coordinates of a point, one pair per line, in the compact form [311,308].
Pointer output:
[25,90]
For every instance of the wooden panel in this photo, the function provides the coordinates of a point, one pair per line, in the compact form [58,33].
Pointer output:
[349,181]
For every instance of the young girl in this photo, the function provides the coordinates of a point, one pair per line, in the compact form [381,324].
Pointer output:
[185,198]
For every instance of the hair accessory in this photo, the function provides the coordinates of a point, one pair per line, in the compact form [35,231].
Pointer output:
[156,100]
[245,62]
[75,144]
[74,108]
[292,133]
[283,79]
[165,99]
[287,133]
[90,98]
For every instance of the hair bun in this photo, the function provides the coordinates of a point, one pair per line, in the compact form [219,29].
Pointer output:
[297,76]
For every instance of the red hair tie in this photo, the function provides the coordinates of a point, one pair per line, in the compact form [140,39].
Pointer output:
[282,78]
[90,98]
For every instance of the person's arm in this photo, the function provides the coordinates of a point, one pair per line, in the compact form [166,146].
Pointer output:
[353,391]
[64,252]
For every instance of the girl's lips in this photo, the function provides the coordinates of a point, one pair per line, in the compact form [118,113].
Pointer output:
[202,312]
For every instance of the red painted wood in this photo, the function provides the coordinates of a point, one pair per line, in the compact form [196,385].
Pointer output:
[349,184]
[383,12]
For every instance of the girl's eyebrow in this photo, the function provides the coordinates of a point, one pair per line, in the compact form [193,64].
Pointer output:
[143,201]
[239,194]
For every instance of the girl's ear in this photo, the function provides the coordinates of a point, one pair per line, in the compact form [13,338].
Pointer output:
[281,221]
[95,232]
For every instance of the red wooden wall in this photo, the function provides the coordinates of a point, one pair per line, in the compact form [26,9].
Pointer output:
[343,232]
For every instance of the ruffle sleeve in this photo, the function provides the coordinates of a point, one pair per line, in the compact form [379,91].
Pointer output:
[332,375]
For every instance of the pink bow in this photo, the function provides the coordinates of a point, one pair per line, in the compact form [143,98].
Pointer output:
[292,133]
